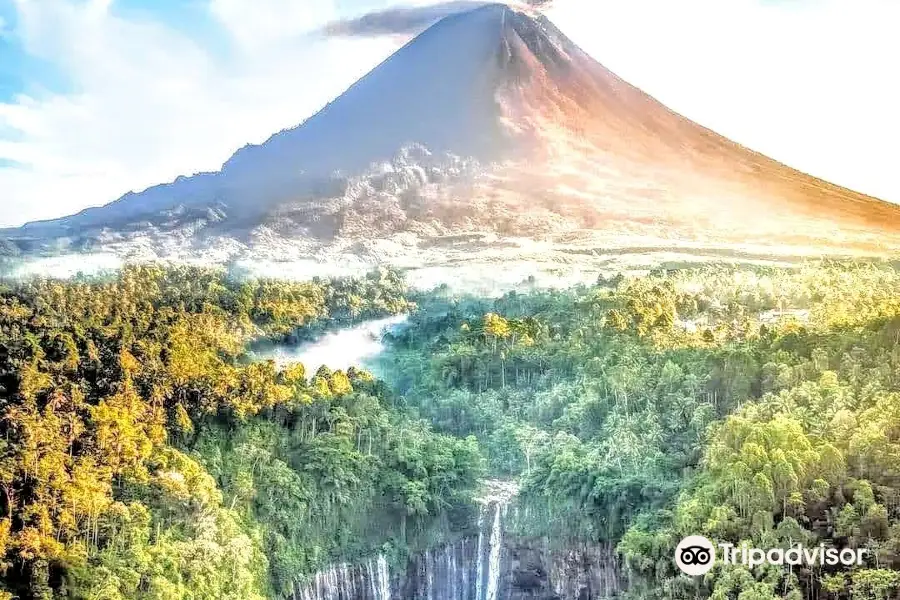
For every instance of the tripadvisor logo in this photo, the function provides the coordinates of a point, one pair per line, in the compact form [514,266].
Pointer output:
[696,555]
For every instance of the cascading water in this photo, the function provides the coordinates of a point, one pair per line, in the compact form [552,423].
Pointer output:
[369,581]
[481,566]
[462,570]
[384,580]
[479,557]
[494,556]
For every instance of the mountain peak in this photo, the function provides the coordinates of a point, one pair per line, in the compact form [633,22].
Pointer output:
[440,90]
[517,131]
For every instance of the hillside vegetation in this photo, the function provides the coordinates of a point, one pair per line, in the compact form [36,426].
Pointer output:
[758,405]
[143,455]
[140,457]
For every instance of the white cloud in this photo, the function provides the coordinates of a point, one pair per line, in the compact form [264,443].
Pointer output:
[264,22]
[809,83]
[146,103]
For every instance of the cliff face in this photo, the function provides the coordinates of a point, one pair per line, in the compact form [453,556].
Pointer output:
[491,565]
[533,571]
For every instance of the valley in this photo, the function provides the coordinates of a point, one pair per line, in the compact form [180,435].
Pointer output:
[148,453]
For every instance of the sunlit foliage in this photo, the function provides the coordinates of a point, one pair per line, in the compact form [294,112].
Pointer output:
[141,456]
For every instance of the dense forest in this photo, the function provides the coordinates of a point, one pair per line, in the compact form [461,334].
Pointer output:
[145,455]
[142,455]
[746,404]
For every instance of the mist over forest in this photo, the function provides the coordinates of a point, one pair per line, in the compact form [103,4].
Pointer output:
[147,455]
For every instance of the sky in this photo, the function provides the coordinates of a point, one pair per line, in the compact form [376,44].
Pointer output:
[102,97]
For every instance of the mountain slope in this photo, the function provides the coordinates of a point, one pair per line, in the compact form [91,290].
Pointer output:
[490,122]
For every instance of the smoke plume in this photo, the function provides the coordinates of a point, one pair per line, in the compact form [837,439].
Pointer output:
[410,20]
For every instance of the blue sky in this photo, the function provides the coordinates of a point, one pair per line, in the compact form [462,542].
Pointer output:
[100,97]
[21,70]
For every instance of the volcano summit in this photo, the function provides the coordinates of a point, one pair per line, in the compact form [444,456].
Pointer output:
[491,134]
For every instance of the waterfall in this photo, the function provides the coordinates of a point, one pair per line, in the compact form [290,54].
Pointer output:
[429,575]
[489,554]
[369,581]
[465,572]
[468,568]
[455,571]
[373,582]
[450,562]
[479,557]
[384,580]
[494,556]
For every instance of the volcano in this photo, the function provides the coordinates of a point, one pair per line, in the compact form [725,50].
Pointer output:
[490,130]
